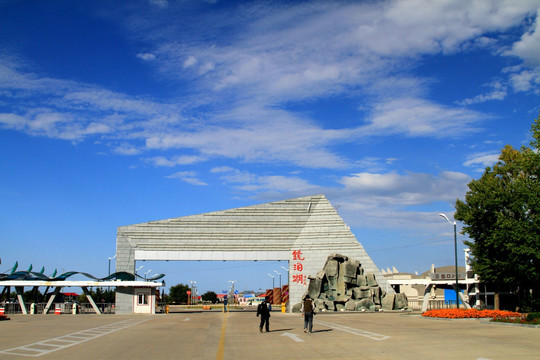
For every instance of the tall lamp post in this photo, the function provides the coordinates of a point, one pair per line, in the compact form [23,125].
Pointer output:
[287,270]
[280,294]
[273,297]
[279,277]
[146,273]
[272,276]
[455,257]
[110,263]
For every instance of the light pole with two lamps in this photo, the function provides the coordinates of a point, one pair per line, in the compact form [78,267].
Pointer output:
[455,257]
[146,273]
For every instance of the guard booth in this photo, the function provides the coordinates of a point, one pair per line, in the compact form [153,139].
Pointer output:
[144,300]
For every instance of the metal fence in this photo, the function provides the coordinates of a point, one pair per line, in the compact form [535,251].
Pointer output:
[109,308]
[62,308]
[416,305]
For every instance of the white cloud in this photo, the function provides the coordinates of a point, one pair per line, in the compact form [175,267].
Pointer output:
[162,4]
[176,160]
[367,200]
[393,200]
[266,184]
[528,47]
[190,61]
[43,122]
[259,135]
[417,117]
[482,159]
[524,80]
[273,56]
[403,190]
[126,149]
[498,92]
[342,45]
[189,177]
[146,56]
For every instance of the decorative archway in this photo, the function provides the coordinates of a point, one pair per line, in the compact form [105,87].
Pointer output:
[303,231]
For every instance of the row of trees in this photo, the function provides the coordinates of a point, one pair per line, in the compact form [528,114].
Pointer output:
[99,295]
[178,295]
[500,216]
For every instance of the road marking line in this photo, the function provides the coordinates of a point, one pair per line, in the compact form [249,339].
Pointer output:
[40,348]
[368,334]
[221,346]
[293,336]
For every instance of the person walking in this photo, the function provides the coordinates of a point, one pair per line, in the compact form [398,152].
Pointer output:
[308,311]
[263,310]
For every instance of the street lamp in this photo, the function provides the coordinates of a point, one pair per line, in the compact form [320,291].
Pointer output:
[272,276]
[279,278]
[139,268]
[146,273]
[455,257]
[287,270]
[110,263]
[280,294]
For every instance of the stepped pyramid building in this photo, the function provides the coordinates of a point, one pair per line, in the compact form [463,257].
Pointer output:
[303,231]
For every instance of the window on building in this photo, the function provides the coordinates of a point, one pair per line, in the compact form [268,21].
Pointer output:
[142,299]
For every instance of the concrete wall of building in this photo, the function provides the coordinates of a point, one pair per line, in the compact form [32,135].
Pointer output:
[124,300]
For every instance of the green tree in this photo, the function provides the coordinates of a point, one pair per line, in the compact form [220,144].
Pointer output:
[98,295]
[178,293]
[500,213]
[209,296]
[33,295]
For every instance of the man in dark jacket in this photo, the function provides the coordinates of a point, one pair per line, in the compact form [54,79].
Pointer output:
[308,311]
[264,311]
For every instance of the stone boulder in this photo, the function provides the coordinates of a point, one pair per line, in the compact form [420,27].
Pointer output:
[342,286]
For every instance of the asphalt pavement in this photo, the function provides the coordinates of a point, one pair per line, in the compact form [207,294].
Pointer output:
[235,335]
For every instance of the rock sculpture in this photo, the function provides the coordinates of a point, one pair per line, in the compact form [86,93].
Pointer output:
[342,286]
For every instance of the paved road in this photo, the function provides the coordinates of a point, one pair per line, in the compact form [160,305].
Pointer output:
[235,335]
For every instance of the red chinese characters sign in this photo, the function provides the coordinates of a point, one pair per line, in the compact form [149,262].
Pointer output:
[298,267]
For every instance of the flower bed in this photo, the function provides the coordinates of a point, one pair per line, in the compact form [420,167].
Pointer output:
[471,314]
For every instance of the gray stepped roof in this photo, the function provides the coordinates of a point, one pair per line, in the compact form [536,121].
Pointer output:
[272,226]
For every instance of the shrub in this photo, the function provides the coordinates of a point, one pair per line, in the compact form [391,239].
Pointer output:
[533,316]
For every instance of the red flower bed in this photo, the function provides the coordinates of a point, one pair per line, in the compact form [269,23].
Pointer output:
[471,314]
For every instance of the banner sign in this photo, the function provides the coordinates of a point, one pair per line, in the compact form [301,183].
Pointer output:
[446,276]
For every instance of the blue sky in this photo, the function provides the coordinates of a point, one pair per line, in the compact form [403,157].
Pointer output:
[114,114]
